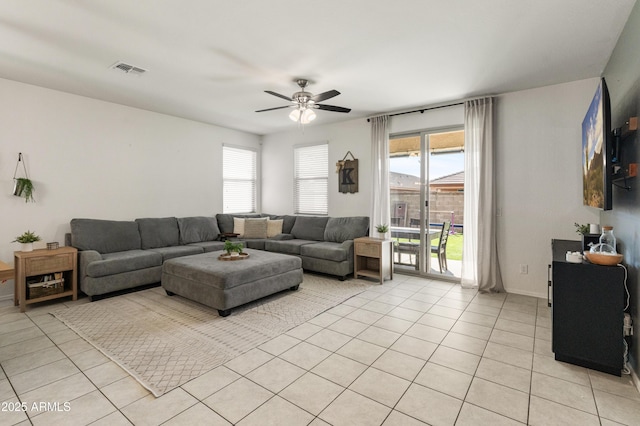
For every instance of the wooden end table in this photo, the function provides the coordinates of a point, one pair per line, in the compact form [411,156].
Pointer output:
[373,257]
[30,265]
[6,272]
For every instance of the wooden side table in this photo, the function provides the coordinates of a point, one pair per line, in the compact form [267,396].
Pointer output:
[6,272]
[41,264]
[373,257]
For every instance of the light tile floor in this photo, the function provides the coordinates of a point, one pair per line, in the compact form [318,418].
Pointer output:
[409,352]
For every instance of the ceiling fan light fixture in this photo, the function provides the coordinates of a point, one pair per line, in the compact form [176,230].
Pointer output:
[304,103]
[307,116]
[295,114]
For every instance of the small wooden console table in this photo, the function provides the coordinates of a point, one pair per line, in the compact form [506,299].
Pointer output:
[31,265]
[6,272]
[373,257]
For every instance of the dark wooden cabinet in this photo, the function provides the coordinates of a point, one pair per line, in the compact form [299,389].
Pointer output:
[587,311]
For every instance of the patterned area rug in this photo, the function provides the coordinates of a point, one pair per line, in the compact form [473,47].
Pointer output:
[166,341]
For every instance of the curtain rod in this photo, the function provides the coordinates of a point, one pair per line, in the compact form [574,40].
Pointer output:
[421,110]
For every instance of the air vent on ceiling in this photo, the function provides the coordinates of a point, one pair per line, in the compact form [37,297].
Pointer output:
[128,68]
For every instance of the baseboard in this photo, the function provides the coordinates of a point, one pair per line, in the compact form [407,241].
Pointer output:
[525,293]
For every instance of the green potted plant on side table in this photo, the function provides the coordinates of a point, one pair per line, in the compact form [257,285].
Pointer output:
[27,239]
[382,230]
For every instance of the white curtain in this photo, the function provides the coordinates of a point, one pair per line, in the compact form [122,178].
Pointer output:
[380,203]
[480,266]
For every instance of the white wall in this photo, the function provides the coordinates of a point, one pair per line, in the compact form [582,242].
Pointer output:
[89,158]
[539,186]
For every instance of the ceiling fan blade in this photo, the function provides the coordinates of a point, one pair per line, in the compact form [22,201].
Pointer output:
[324,96]
[333,108]
[271,109]
[278,95]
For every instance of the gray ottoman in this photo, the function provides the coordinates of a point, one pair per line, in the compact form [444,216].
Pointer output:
[224,285]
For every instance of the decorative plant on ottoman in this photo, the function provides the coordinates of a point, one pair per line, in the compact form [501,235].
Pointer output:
[27,239]
[233,249]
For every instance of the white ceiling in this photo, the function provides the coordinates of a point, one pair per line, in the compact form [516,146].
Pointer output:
[211,60]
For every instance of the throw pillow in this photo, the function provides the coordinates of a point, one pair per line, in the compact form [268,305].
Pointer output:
[274,227]
[255,228]
[238,226]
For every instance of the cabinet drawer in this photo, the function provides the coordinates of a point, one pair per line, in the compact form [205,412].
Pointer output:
[46,264]
[367,249]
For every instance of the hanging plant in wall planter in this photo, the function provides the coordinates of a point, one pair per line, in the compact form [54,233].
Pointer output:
[22,187]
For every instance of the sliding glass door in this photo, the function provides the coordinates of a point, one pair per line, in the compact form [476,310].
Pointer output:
[427,201]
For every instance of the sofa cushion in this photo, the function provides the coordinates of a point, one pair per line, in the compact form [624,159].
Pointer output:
[256,244]
[255,228]
[208,246]
[286,246]
[198,229]
[287,222]
[225,221]
[159,232]
[325,250]
[105,236]
[340,229]
[310,228]
[123,261]
[177,251]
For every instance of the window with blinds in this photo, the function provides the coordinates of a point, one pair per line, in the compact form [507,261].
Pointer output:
[239,176]
[311,186]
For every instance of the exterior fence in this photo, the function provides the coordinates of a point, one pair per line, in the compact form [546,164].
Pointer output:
[405,208]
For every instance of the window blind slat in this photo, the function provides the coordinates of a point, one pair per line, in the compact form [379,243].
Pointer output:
[311,186]
[239,175]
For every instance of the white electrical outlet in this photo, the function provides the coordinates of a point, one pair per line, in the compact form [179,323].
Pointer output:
[524,269]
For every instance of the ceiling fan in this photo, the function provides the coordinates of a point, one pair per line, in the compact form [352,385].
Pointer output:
[305,102]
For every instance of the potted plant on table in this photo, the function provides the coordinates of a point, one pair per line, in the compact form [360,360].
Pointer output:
[233,249]
[586,237]
[581,229]
[27,239]
[382,230]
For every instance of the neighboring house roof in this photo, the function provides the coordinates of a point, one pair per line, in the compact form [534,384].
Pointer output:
[404,182]
[401,180]
[449,180]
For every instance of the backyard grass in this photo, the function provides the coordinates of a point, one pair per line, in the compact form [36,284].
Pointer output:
[454,246]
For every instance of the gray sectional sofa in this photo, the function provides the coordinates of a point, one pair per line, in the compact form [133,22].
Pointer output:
[119,255]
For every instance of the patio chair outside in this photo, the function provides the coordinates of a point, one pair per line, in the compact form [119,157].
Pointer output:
[441,248]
